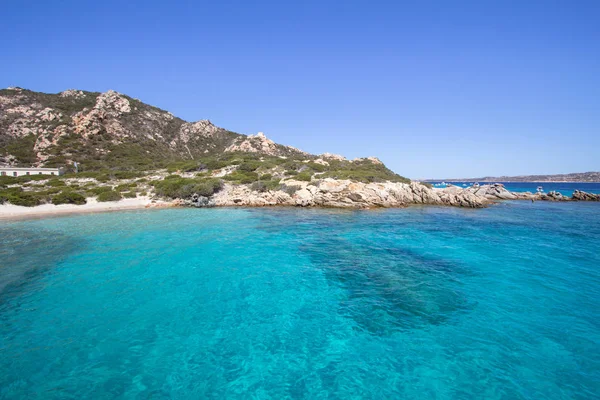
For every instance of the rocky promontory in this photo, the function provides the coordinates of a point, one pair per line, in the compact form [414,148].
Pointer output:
[348,194]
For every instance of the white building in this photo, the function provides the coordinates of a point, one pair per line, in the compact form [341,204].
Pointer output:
[13,171]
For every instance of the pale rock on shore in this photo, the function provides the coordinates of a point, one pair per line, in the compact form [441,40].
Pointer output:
[347,194]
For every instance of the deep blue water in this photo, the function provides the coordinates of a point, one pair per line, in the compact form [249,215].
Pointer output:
[565,188]
[417,303]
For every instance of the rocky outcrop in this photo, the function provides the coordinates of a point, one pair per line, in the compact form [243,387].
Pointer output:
[330,156]
[259,143]
[495,191]
[348,194]
[553,196]
[579,195]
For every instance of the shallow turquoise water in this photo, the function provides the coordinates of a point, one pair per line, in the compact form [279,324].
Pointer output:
[501,303]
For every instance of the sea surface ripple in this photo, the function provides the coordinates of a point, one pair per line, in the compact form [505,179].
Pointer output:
[417,303]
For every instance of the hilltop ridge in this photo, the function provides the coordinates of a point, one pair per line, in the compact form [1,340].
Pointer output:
[109,129]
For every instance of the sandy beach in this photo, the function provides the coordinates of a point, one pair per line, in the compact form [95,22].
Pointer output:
[12,212]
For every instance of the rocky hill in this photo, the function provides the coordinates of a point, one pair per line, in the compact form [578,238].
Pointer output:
[110,130]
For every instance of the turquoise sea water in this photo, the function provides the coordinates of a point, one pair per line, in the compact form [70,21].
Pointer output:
[566,188]
[417,303]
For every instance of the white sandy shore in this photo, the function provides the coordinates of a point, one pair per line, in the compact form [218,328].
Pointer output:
[10,212]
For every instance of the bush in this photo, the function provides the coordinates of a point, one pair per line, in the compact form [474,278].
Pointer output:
[184,188]
[98,190]
[362,171]
[249,166]
[67,197]
[264,186]
[266,177]
[242,177]
[56,182]
[215,164]
[109,196]
[103,178]
[126,187]
[129,195]
[317,167]
[304,176]
[11,180]
[186,166]
[18,197]
[289,189]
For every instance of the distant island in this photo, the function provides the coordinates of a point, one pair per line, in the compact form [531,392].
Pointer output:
[574,177]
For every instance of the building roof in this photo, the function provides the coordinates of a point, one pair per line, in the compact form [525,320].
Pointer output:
[27,169]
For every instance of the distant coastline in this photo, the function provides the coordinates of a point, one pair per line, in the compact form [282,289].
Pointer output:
[575,177]
[501,181]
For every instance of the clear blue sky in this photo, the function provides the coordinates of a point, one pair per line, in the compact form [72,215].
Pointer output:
[433,88]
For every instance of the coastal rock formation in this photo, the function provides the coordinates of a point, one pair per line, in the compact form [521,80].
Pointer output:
[494,191]
[583,196]
[553,196]
[348,194]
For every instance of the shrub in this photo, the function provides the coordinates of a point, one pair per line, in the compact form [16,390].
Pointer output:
[316,167]
[264,186]
[186,166]
[11,180]
[51,190]
[67,197]
[249,166]
[56,182]
[266,177]
[242,177]
[18,197]
[129,195]
[98,190]
[103,178]
[216,164]
[304,176]
[109,196]
[126,187]
[183,188]
[289,189]
[362,171]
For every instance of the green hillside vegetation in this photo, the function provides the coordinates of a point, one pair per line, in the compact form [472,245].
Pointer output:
[151,142]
